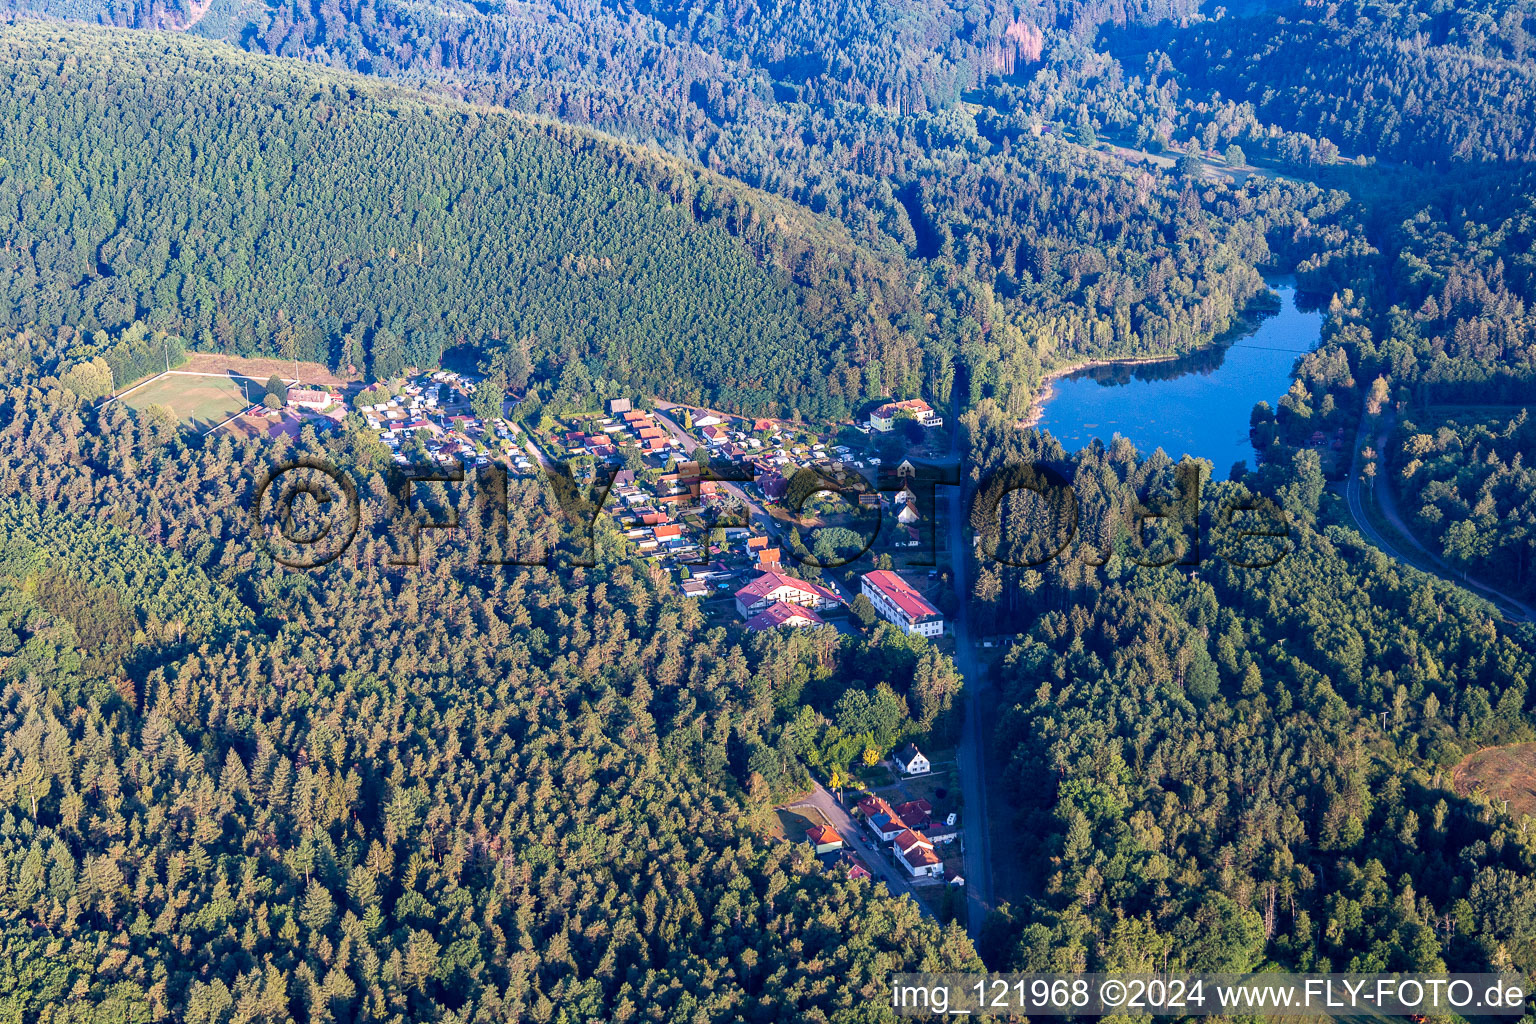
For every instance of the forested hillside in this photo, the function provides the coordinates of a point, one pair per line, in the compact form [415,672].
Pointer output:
[336,219]
[1415,81]
[1234,768]
[1203,758]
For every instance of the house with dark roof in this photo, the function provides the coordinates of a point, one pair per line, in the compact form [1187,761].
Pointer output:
[912,761]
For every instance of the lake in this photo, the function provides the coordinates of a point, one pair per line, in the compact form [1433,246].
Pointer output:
[1198,404]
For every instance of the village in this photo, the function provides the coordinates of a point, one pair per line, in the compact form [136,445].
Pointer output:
[718,501]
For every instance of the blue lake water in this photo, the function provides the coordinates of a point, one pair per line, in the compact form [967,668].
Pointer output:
[1196,405]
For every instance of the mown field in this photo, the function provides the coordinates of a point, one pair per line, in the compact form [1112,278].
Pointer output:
[199,402]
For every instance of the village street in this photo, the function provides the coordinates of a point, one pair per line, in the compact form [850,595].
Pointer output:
[970,756]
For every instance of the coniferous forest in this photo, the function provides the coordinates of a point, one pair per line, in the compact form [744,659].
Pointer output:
[231,791]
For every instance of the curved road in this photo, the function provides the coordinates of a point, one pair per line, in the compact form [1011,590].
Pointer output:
[1419,557]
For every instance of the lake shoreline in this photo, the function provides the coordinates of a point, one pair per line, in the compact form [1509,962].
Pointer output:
[1047,383]
[1243,325]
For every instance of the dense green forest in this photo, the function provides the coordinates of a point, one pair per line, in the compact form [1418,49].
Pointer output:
[1240,767]
[233,792]
[1464,485]
[130,191]
[1201,755]
[1002,258]
[1416,81]
[239,793]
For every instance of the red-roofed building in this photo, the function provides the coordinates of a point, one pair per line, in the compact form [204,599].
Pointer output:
[916,854]
[824,839]
[776,586]
[856,866]
[917,813]
[781,614]
[873,805]
[896,602]
[669,531]
[883,419]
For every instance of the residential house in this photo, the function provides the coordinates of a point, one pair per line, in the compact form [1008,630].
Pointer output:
[897,603]
[887,826]
[618,405]
[917,813]
[915,853]
[912,761]
[824,839]
[773,485]
[873,805]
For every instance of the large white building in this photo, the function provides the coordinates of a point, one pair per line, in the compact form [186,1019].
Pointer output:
[883,419]
[900,605]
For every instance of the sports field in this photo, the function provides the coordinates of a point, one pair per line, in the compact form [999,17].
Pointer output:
[199,402]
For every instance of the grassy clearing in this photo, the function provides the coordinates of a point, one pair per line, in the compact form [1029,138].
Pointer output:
[199,402]
[792,824]
[261,367]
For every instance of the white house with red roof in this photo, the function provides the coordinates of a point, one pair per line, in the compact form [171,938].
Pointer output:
[781,614]
[776,586]
[824,839]
[896,602]
[883,419]
[915,853]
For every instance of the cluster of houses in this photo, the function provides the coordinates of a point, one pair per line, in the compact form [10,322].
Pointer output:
[437,404]
[776,599]
[913,834]
[624,426]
